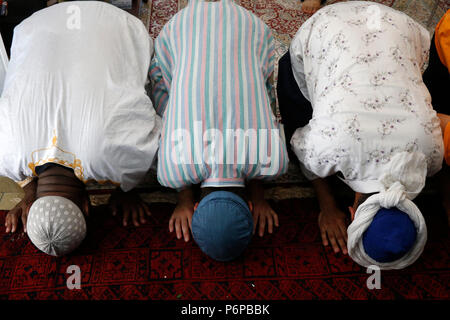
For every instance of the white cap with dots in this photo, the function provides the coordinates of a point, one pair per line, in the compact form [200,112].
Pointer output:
[56,225]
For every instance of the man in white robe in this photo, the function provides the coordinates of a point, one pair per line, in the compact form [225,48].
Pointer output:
[74,109]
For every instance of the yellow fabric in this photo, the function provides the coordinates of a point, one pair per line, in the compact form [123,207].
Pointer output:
[442,39]
[447,144]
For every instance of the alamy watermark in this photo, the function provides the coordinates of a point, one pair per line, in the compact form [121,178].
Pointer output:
[373,17]
[74,280]
[374,281]
[74,19]
[228,146]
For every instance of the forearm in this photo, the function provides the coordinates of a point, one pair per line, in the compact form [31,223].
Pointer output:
[186,197]
[159,91]
[255,191]
[30,190]
[324,194]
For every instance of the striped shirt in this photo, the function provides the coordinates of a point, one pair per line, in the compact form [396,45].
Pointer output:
[211,84]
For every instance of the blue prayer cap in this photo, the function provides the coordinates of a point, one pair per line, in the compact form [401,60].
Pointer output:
[390,235]
[222,225]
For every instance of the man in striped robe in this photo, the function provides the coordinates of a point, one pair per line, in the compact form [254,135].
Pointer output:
[211,84]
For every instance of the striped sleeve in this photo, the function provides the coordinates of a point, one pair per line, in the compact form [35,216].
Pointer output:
[160,94]
[268,54]
[268,61]
[161,70]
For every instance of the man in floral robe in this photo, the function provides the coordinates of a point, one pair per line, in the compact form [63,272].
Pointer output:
[354,104]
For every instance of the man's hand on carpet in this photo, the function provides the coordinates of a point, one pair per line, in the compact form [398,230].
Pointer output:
[131,205]
[333,229]
[181,220]
[332,221]
[263,215]
[20,211]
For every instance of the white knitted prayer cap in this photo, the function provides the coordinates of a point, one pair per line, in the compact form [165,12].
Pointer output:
[403,181]
[56,225]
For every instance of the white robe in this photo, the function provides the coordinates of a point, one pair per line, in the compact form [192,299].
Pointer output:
[74,95]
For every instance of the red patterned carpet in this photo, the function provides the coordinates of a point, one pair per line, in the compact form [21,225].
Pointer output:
[149,263]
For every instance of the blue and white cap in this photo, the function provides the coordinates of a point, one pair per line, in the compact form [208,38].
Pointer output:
[389,230]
